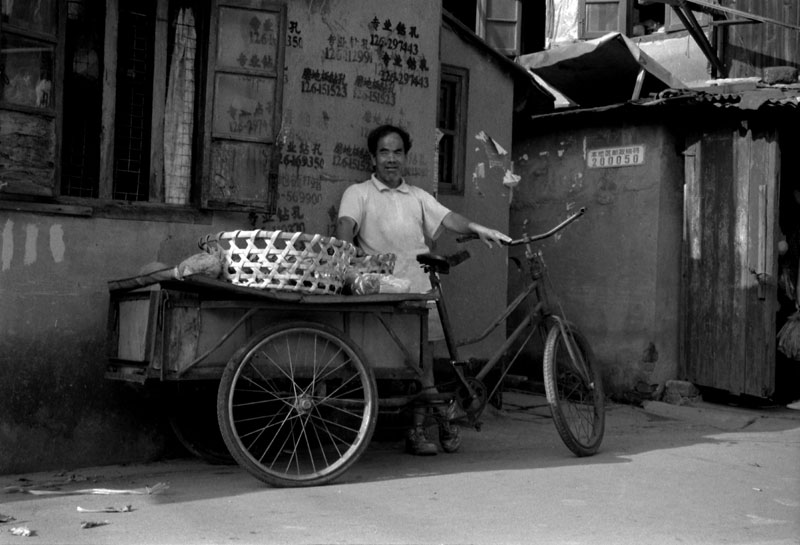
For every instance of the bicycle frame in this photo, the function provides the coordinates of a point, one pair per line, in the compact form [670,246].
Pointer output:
[538,313]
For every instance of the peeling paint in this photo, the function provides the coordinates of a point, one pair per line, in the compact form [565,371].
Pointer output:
[8,245]
[57,243]
[31,238]
[478,174]
[510,179]
[498,156]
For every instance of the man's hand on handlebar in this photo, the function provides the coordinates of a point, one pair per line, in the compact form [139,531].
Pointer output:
[488,235]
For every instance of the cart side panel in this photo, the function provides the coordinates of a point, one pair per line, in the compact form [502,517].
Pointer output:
[381,349]
[182,339]
[132,326]
[214,324]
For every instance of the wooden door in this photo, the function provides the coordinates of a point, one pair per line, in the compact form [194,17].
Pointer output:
[730,261]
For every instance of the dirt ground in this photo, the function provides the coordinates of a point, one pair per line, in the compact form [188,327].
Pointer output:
[665,474]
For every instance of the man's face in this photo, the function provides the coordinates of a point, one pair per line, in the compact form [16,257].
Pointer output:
[389,159]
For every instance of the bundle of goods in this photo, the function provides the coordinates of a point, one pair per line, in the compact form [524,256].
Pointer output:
[296,262]
[370,274]
[373,264]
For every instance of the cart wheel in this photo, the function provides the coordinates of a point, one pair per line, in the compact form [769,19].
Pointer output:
[191,409]
[297,405]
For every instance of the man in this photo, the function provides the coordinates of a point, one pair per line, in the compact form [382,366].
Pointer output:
[387,215]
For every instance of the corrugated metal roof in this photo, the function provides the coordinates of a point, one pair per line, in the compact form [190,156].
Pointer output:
[756,99]
[759,99]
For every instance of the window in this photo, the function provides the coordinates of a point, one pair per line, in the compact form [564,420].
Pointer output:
[148,95]
[500,25]
[599,17]
[630,17]
[28,96]
[452,122]
[513,27]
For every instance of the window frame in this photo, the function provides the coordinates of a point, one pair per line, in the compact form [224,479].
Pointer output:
[208,138]
[625,18]
[485,24]
[459,76]
[29,188]
[46,196]
[623,7]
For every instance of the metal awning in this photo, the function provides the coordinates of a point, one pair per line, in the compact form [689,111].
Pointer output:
[607,70]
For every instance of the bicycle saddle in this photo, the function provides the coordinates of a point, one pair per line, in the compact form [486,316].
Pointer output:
[442,264]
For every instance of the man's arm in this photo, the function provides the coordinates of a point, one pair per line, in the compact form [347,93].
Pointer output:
[346,229]
[459,224]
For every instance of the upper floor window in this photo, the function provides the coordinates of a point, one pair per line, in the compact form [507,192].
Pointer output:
[630,17]
[513,27]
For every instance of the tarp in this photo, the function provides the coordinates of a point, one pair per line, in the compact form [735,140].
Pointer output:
[599,72]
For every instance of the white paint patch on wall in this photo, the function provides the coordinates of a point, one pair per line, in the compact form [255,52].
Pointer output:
[31,238]
[57,243]
[8,245]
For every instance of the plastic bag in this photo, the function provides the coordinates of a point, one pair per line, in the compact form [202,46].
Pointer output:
[392,284]
[370,283]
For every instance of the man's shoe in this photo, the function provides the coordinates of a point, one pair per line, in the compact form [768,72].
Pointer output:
[417,443]
[449,437]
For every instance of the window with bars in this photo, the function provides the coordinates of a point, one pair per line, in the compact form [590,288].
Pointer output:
[140,79]
[452,123]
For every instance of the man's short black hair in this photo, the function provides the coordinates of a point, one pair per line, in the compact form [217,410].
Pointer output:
[379,132]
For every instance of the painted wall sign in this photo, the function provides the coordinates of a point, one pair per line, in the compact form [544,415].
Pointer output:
[248,39]
[626,156]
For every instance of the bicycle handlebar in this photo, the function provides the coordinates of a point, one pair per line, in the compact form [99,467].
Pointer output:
[532,238]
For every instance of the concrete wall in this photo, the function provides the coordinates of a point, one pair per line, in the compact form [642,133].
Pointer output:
[477,283]
[56,408]
[616,270]
[335,41]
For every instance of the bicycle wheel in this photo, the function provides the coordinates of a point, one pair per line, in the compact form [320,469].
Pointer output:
[297,405]
[191,409]
[576,398]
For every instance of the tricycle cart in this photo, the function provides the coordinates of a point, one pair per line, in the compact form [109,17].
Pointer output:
[295,375]
[297,394]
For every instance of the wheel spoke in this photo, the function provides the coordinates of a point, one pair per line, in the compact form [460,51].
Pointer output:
[333,436]
[326,421]
[356,388]
[302,404]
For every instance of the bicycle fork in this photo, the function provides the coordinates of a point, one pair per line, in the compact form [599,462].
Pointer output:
[575,354]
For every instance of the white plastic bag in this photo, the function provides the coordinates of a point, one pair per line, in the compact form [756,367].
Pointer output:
[392,284]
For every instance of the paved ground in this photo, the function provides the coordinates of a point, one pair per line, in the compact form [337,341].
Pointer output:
[666,474]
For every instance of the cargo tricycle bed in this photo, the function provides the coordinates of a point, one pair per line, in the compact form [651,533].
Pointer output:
[289,378]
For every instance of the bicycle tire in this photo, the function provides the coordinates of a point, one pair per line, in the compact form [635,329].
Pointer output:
[297,405]
[578,407]
[192,415]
